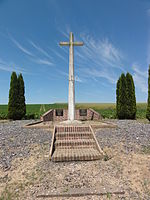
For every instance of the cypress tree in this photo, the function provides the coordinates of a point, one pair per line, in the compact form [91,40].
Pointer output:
[13,97]
[21,97]
[148,100]
[122,106]
[117,97]
[131,99]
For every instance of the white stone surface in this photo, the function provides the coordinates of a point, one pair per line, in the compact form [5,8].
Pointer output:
[71,95]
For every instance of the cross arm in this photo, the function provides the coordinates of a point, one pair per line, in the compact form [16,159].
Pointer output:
[78,43]
[64,43]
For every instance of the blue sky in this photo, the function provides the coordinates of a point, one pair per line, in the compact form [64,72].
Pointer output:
[116,36]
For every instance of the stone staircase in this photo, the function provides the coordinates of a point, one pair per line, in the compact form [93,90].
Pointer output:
[74,143]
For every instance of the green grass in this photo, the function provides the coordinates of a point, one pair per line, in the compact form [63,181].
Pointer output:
[107,110]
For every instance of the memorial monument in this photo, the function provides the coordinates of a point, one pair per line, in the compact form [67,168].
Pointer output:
[71,95]
[72,115]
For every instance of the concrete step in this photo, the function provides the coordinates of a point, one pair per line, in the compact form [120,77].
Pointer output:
[74,143]
[76,154]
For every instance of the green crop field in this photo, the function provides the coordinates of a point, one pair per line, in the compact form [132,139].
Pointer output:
[107,110]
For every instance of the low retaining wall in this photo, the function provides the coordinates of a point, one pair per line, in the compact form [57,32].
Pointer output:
[48,116]
[62,115]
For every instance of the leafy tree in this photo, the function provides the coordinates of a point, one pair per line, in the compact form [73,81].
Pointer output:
[21,97]
[148,101]
[122,106]
[131,99]
[13,97]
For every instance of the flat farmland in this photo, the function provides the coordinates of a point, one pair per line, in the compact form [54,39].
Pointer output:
[107,110]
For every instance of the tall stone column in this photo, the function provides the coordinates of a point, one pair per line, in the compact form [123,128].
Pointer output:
[71,96]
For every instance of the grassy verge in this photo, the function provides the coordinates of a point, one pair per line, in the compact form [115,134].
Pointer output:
[107,110]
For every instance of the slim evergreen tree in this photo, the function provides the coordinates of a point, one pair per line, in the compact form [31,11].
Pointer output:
[13,97]
[117,97]
[21,97]
[122,106]
[148,100]
[131,99]
[16,104]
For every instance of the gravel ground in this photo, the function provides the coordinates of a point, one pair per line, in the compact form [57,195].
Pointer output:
[15,141]
[25,170]
[131,133]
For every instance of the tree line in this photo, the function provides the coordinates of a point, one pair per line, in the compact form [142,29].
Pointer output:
[125,97]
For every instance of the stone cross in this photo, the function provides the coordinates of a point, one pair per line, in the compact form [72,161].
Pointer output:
[71,97]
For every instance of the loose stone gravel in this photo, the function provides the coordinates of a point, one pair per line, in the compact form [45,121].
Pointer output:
[15,141]
[131,133]
[25,170]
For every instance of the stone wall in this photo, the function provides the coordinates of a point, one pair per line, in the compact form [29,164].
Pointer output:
[60,118]
[62,115]
[94,115]
[48,116]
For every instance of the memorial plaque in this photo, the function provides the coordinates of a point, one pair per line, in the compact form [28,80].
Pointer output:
[59,112]
[83,112]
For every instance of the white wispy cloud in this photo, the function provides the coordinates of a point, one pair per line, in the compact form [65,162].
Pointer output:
[43,62]
[78,79]
[98,59]
[63,73]
[41,50]
[9,67]
[64,49]
[19,46]
[42,58]
[58,54]
[140,78]
[64,33]
[66,75]
[96,73]
[100,52]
